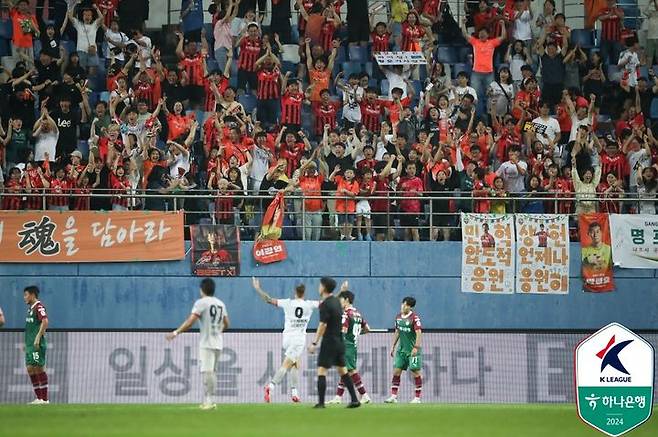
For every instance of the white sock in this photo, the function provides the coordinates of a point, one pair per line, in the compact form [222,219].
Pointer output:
[293,379]
[209,383]
[278,376]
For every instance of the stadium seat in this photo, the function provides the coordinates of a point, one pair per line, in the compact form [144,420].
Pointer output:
[614,75]
[248,101]
[583,37]
[447,54]
[351,68]
[368,68]
[211,64]
[457,68]
[341,56]
[654,109]
[288,67]
[373,83]
[644,71]
[418,87]
[465,55]
[357,54]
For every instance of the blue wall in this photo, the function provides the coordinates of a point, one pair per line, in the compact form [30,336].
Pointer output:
[160,295]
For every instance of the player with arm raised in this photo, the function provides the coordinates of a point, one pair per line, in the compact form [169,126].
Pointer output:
[408,333]
[213,319]
[297,314]
[36,324]
[353,326]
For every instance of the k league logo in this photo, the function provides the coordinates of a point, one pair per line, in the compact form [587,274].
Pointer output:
[614,373]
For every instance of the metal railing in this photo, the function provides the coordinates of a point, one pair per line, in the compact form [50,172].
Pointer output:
[438,215]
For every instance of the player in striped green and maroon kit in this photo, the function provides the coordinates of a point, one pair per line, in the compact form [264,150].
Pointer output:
[36,324]
[353,326]
[408,331]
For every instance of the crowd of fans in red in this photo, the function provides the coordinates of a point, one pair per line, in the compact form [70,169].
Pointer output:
[509,110]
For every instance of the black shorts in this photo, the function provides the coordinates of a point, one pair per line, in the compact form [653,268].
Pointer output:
[382,220]
[409,220]
[247,78]
[332,353]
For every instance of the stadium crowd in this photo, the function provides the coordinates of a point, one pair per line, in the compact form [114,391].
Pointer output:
[511,107]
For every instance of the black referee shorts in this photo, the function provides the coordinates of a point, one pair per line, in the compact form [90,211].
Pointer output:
[332,353]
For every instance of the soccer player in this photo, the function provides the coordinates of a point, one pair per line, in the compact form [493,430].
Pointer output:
[297,313]
[407,357]
[542,236]
[353,326]
[332,350]
[36,324]
[213,318]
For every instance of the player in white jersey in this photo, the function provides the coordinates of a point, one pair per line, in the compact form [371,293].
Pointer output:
[213,320]
[297,313]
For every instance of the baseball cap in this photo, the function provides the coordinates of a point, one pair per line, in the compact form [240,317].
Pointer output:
[77,153]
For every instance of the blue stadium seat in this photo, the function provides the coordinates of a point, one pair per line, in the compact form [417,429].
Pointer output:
[614,75]
[418,87]
[447,54]
[653,112]
[644,71]
[583,37]
[341,56]
[368,68]
[373,83]
[358,54]
[457,68]
[211,64]
[288,67]
[248,101]
[351,67]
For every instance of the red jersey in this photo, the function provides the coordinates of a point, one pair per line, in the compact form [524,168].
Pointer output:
[482,20]
[380,43]
[346,203]
[382,189]
[311,186]
[224,207]
[11,200]
[610,202]
[210,104]
[193,68]
[144,91]
[108,8]
[327,35]
[526,100]
[325,114]
[178,125]
[411,36]
[120,190]
[366,163]
[82,200]
[301,23]
[611,27]
[292,155]
[563,118]
[59,190]
[371,114]
[34,201]
[249,54]
[291,108]
[431,8]
[268,84]
[410,187]
[617,164]
[564,187]
[480,190]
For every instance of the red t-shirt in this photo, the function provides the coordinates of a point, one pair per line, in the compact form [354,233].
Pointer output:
[343,202]
[178,125]
[483,52]
[410,187]
[312,186]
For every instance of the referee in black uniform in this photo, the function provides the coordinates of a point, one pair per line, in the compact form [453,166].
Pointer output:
[332,350]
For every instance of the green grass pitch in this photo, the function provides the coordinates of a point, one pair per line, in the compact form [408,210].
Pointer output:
[299,420]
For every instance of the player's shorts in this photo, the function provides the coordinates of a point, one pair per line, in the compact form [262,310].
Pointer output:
[350,357]
[208,359]
[294,347]
[35,357]
[332,353]
[363,208]
[404,361]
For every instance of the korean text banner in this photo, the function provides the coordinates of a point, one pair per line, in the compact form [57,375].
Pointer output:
[634,241]
[400,58]
[542,254]
[487,253]
[596,252]
[215,250]
[86,236]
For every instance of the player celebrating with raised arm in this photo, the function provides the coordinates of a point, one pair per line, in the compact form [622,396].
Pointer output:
[36,324]
[297,313]
[332,350]
[213,318]
[353,326]
[408,332]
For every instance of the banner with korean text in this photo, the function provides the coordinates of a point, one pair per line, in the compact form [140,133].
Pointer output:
[89,236]
[634,241]
[400,58]
[488,252]
[542,254]
[596,252]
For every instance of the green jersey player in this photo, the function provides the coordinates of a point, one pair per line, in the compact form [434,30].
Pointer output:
[36,324]
[353,326]
[408,356]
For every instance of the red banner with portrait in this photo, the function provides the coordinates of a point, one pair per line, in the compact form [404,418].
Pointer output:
[268,247]
[596,252]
